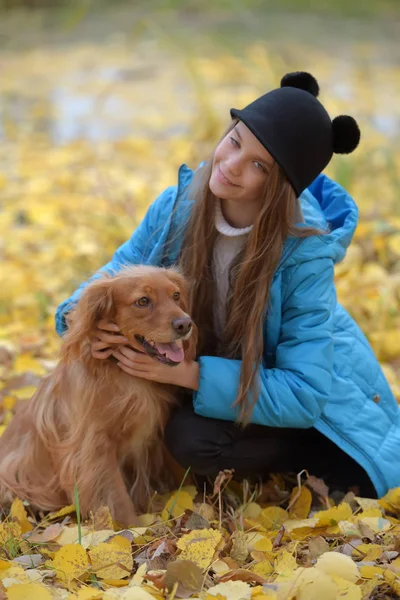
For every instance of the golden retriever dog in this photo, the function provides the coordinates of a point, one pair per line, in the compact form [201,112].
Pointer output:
[89,423]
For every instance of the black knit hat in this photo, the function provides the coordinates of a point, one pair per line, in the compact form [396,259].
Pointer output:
[296,129]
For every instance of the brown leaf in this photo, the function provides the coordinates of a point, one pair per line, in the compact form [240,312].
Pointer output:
[243,575]
[222,478]
[187,574]
[319,487]
[47,535]
[317,547]
[102,519]
[366,531]
[192,520]
[158,579]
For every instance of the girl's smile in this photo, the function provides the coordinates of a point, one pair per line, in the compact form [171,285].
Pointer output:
[224,180]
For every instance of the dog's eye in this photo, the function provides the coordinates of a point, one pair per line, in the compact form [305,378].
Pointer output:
[142,301]
[176,296]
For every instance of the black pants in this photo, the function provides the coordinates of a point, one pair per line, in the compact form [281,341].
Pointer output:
[211,445]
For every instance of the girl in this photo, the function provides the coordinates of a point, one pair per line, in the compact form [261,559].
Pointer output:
[257,229]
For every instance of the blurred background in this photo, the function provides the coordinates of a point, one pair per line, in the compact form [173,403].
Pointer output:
[101,101]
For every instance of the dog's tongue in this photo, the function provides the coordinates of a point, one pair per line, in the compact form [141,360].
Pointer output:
[172,350]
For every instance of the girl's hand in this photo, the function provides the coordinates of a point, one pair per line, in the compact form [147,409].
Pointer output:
[103,342]
[186,374]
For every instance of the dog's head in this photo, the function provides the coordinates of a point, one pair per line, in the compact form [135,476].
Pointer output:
[150,306]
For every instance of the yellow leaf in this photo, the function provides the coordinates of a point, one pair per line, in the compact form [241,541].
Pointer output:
[272,517]
[393,580]
[264,544]
[106,557]
[220,567]
[18,512]
[135,593]
[25,363]
[309,584]
[67,510]
[285,565]
[370,571]
[28,591]
[70,535]
[199,546]
[88,593]
[116,582]
[339,565]
[292,524]
[8,402]
[372,552]
[264,567]
[94,538]
[347,590]
[391,501]
[367,503]
[70,562]
[252,510]
[332,516]
[231,590]
[177,505]
[250,538]
[6,564]
[371,512]
[301,506]
[25,393]
[377,524]
[15,573]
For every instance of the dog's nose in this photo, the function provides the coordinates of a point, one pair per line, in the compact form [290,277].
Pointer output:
[182,325]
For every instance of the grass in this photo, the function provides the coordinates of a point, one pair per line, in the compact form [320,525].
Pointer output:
[356,8]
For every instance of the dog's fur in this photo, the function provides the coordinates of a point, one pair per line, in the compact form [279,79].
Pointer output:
[89,422]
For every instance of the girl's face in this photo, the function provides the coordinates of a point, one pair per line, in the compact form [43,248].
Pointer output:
[240,167]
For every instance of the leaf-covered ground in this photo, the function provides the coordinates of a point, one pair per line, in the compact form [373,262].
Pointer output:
[91,133]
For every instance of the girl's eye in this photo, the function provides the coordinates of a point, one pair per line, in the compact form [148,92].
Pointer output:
[235,142]
[176,296]
[142,301]
[259,166]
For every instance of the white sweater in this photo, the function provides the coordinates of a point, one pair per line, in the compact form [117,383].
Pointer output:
[228,244]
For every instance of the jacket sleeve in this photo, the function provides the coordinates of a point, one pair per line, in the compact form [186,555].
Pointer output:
[135,251]
[294,392]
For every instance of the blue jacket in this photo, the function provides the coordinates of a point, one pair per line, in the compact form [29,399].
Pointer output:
[318,368]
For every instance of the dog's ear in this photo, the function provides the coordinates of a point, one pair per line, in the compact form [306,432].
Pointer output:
[95,303]
[178,279]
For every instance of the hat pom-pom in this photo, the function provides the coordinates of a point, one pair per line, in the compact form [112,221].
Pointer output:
[302,80]
[346,134]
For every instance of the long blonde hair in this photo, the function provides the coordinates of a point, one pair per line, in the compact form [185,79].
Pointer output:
[250,274]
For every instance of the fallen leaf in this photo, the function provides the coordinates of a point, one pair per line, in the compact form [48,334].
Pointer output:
[332,516]
[199,546]
[243,575]
[70,562]
[230,590]
[113,559]
[18,512]
[300,503]
[187,574]
[47,535]
[317,546]
[29,591]
[272,517]
[340,565]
